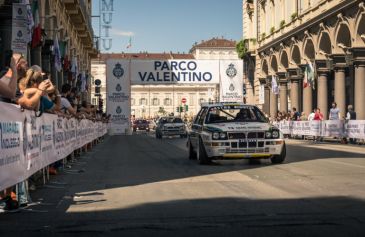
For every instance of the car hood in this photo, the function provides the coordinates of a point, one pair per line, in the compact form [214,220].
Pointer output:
[173,124]
[238,127]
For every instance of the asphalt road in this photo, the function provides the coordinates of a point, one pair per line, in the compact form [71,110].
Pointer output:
[139,186]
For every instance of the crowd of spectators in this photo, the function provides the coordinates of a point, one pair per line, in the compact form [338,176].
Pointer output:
[32,89]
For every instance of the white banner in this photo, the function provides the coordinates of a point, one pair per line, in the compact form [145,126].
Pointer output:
[29,143]
[327,128]
[153,72]
[231,80]
[118,95]
[20,34]
[355,129]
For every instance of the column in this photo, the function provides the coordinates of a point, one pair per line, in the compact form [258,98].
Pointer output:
[322,90]
[294,94]
[250,93]
[266,106]
[283,96]
[307,100]
[340,90]
[273,104]
[360,90]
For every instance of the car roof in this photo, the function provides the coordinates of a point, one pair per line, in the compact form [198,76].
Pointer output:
[216,104]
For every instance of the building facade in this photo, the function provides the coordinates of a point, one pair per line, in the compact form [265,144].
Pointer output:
[149,101]
[284,36]
[67,20]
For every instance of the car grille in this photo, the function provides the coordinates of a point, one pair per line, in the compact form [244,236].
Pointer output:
[256,135]
[236,135]
[248,144]
[248,150]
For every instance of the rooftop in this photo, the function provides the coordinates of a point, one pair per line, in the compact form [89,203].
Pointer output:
[215,43]
[146,56]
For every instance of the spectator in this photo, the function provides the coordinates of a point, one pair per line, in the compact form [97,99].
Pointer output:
[351,115]
[318,116]
[303,117]
[8,82]
[295,114]
[334,112]
[311,115]
[34,91]
[66,106]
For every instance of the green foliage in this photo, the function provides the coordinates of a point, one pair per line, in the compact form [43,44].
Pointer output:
[294,16]
[272,29]
[263,35]
[282,24]
[241,48]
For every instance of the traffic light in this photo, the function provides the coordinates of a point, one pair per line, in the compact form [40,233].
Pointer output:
[186,108]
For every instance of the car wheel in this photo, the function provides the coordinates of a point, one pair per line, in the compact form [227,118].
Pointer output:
[202,157]
[278,159]
[192,153]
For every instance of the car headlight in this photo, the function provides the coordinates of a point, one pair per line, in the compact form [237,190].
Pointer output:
[275,134]
[222,135]
[219,136]
[268,134]
[215,135]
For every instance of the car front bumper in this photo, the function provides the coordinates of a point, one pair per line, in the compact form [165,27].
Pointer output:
[234,149]
[173,132]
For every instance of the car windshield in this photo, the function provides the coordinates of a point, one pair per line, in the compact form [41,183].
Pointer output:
[171,120]
[239,113]
[141,121]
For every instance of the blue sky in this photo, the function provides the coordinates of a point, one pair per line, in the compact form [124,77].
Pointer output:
[170,25]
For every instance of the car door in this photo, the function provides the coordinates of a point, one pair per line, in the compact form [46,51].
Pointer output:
[197,127]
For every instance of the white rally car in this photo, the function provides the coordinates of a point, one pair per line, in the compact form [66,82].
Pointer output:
[234,131]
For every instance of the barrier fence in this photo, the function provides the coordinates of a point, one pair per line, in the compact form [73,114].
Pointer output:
[30,143]
[327,128]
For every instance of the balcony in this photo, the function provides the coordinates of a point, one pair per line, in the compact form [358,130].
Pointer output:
[80,18]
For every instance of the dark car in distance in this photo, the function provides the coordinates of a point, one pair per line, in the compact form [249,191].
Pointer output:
[141,125]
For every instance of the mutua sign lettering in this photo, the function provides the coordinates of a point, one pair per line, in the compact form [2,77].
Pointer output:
[106,12]
[175,71]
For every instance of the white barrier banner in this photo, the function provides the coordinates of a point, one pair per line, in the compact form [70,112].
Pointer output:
[12,161]
[332,128]
[355,129]
[29,143]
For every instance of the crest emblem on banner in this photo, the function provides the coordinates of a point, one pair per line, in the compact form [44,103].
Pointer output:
[118,88]
[118,71]
[231,87]
[231,71]
[118,110]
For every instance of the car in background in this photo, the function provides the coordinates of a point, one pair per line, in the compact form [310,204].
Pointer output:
[141,125]
[234,131]
[170,126]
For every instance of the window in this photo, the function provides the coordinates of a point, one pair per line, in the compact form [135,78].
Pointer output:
[201,100]
[143,101]
[94,101]
[155,101]
[133,102]
[167,102]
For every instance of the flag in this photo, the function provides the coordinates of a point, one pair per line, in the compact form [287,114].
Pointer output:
[30,21]
[308,76]
[129,45]
[57,54]
[37,31]
[274,85]
[305,80]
